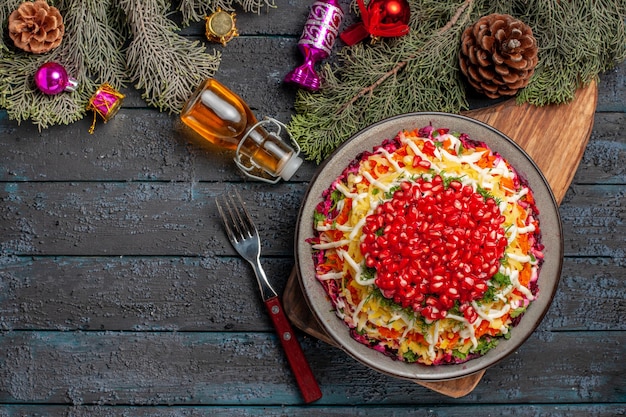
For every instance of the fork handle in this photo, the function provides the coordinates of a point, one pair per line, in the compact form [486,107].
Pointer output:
[299,365]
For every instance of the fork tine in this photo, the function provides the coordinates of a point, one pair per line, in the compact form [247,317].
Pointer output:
[225,220]
[244,216]
[236,219]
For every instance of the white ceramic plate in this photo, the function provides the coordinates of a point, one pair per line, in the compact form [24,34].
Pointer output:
[367,139]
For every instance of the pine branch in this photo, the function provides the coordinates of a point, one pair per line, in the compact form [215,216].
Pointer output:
[196,10]
[88,50]
[6,8]
[400,65]
[165,65]
[417,72]
[95,50]
[578,39]
[573,54]
[22,101]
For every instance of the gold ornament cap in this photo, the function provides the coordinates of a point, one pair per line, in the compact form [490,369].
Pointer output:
[220,26]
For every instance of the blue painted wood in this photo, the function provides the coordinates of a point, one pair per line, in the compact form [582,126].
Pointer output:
[139,218]
[209,293]
[119,294]
[213,368]
[179,218]
[434,409]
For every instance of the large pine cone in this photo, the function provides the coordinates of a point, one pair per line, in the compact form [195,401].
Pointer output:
[498,55]
[36,27]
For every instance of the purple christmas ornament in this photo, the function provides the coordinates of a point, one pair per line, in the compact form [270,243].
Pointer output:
[316,42]
[51,78]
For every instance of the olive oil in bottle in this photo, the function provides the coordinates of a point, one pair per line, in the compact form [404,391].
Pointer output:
[225,120]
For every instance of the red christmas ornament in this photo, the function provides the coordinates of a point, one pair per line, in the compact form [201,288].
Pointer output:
[380,19]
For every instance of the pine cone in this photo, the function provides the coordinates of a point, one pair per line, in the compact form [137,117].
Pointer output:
[36,27]
[498,55]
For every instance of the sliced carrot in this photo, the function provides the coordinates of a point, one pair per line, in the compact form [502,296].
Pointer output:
[486,159]
[523,243]
[400,153]
[372,165]
[506,182]
[482,329]
[381,169]
[416,337]
[453,338]
[521,219]
[332,258]
[345,212]
[356,299]
[388,333]
[335,235]
[525,274]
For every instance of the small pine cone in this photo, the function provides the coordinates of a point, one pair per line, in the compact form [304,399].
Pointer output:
[36,27]
[498,55]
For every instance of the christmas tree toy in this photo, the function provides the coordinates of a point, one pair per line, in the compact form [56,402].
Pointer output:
[105,102]
[317,39]
[51,78]
[380,19]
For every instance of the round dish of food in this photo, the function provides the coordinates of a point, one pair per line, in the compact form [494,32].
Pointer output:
[429,246]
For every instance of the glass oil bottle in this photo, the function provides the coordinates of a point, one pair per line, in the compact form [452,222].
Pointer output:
[222,118]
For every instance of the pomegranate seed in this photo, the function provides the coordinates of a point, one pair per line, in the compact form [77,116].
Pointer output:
[469,313]
[427,312]
[446,301]
[452,292]
[455,185]
[432,244]
[467,283]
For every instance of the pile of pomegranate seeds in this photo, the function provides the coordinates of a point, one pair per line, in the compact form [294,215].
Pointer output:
[434,247]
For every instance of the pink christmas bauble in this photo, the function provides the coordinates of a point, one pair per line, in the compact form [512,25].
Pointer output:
[51,78]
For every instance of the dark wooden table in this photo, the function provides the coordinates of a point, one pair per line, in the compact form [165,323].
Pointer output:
[120,295]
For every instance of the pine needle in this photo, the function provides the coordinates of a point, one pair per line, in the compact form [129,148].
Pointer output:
[578,39]
[87,52]
[366,87]
[573,54]
[94,47]
[196,10]
[5,10]
[165,65]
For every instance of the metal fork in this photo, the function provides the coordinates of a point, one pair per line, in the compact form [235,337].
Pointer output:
[244,237]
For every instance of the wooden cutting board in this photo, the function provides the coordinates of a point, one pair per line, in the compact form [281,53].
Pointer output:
[554,136]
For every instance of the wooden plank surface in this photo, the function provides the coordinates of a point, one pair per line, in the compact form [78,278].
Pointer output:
[165,218]
[199,294]
[608,410]
[119,294]
[583,410]
[180,368]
